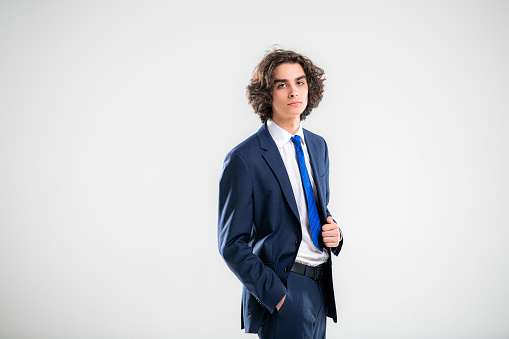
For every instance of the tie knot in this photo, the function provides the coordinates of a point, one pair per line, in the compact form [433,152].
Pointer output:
[296,140]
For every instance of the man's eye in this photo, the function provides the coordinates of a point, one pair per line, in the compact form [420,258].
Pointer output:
[281,85]
[300,83]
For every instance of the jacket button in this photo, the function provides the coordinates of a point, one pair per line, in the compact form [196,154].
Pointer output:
[297,242]
[287,269]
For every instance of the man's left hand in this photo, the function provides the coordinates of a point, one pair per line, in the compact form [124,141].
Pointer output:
[330,233]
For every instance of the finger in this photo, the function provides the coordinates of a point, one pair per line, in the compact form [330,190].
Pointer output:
[330,239]
[331,243]
[334,241]
[329,231]
[329,227]
[334,229]
[329,219]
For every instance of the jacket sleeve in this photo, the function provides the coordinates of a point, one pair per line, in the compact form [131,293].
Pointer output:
[235,226]
[336,249]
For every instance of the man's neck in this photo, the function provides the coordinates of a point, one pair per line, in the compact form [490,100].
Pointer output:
[290,125]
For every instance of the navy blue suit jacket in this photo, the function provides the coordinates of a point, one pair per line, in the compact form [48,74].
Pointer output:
[259,229]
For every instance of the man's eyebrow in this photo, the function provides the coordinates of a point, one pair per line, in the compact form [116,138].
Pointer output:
[286,80]
[280,80]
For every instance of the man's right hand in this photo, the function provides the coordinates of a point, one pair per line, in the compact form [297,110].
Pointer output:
[280,303]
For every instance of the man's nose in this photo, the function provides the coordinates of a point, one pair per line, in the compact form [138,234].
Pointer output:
[294,92]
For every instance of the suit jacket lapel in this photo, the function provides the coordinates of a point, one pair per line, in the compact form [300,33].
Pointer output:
[313,151]
[273,159]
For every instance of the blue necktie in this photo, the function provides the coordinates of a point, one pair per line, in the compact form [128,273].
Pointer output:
[314,219]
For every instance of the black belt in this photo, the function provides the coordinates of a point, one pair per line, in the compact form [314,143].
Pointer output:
[316,273]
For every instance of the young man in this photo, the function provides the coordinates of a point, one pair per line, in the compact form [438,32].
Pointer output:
[275,231]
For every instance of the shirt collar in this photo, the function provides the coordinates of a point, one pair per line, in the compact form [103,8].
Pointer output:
[280,135]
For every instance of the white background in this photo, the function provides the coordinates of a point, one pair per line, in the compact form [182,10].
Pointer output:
[115,118]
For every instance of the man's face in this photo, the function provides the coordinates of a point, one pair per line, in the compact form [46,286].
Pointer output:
[290,92]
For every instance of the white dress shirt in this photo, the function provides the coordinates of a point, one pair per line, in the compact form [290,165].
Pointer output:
[308,254]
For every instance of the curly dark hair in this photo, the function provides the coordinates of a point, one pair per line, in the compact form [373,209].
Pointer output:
[259,91]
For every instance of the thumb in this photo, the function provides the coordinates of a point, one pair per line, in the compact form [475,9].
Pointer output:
[329,220]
